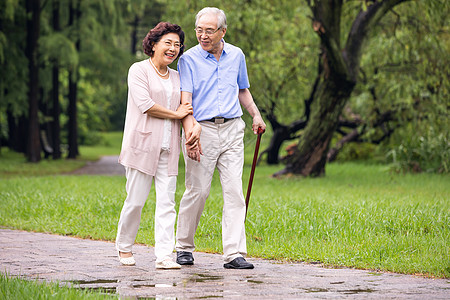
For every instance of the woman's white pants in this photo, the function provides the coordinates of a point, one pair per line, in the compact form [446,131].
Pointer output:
[138,187]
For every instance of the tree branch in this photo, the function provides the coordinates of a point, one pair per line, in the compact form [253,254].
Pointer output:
[326,23]
[364,22]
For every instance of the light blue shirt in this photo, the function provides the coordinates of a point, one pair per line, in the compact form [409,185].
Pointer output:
[214,84]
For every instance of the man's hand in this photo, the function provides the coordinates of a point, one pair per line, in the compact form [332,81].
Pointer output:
[193,146]
[194,151]
[258,123]
[246,100]
[194,134]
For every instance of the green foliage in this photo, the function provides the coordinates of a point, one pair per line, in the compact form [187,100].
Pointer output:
[57,47]
[12,288]
[13,63]
[103,58]
[428,153]
[406,73]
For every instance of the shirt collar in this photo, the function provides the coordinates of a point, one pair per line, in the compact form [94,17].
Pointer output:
[205,54]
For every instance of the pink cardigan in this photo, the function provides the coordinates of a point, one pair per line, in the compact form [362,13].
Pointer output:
[143,134]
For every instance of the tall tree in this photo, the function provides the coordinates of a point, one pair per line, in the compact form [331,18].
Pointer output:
[33,26]
[338,75]
[74,16]
[56,110]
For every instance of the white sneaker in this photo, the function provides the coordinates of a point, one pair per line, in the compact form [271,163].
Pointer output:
[126,261]
[167,264]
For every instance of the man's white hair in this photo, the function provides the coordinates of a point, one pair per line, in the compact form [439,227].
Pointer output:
[221,18]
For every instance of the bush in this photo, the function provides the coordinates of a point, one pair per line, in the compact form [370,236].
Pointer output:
[429,153]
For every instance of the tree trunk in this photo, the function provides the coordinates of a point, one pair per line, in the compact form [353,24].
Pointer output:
[339,68]
[280,135]
[33,27]
[72,111]
[17,132]
[74,16]
[134,26]
[56,110]
[310,157]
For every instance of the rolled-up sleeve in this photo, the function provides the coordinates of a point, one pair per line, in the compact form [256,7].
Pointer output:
[242,79]
[185,72]
[138,88]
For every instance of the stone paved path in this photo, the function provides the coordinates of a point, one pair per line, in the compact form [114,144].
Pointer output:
[106,165]
[93,264]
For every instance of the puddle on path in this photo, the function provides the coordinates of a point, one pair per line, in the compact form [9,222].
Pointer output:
[255,281]
[155,285]
[93,285]
[346,292]
[356,291]
[204,277]
[316,290]
[98,281]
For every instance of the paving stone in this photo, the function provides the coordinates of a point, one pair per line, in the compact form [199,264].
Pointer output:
[58,258]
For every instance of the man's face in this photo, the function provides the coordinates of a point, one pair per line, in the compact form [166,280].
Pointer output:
[210,36]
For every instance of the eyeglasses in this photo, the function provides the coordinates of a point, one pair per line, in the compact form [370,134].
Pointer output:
[169,44]
[208,32]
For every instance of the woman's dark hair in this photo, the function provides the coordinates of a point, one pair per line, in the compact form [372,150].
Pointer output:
[155,34]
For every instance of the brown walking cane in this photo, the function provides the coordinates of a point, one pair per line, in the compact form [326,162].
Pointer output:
[252,172]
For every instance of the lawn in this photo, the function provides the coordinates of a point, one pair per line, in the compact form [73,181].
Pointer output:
[359,215]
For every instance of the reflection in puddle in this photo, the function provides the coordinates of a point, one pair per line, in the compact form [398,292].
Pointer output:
[316,290]
[93,281]
[156,285]
[204,277]
[255,281]
[356,291]
[92,285]
[106,290]
[347,292]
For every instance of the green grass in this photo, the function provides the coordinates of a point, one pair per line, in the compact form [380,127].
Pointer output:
[12,288]
[110,145]
[359,215]
[14,164]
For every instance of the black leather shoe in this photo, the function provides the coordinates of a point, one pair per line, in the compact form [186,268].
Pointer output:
[238,263]
[185,258]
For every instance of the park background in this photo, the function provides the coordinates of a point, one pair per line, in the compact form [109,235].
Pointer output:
[378,198]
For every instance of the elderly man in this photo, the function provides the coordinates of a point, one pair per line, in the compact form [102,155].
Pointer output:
[214,79]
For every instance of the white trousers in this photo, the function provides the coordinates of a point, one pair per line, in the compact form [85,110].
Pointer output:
[223,148]
[138,187]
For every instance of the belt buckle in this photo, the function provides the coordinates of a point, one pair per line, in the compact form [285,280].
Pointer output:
[219,120]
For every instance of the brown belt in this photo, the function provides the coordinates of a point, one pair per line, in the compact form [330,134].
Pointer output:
[219,120]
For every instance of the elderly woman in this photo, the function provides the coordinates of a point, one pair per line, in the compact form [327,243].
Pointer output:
[151,143]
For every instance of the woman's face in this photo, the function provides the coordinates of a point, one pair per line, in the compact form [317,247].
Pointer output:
[167,49]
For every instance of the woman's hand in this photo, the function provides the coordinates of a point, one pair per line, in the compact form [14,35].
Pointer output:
[184,110]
